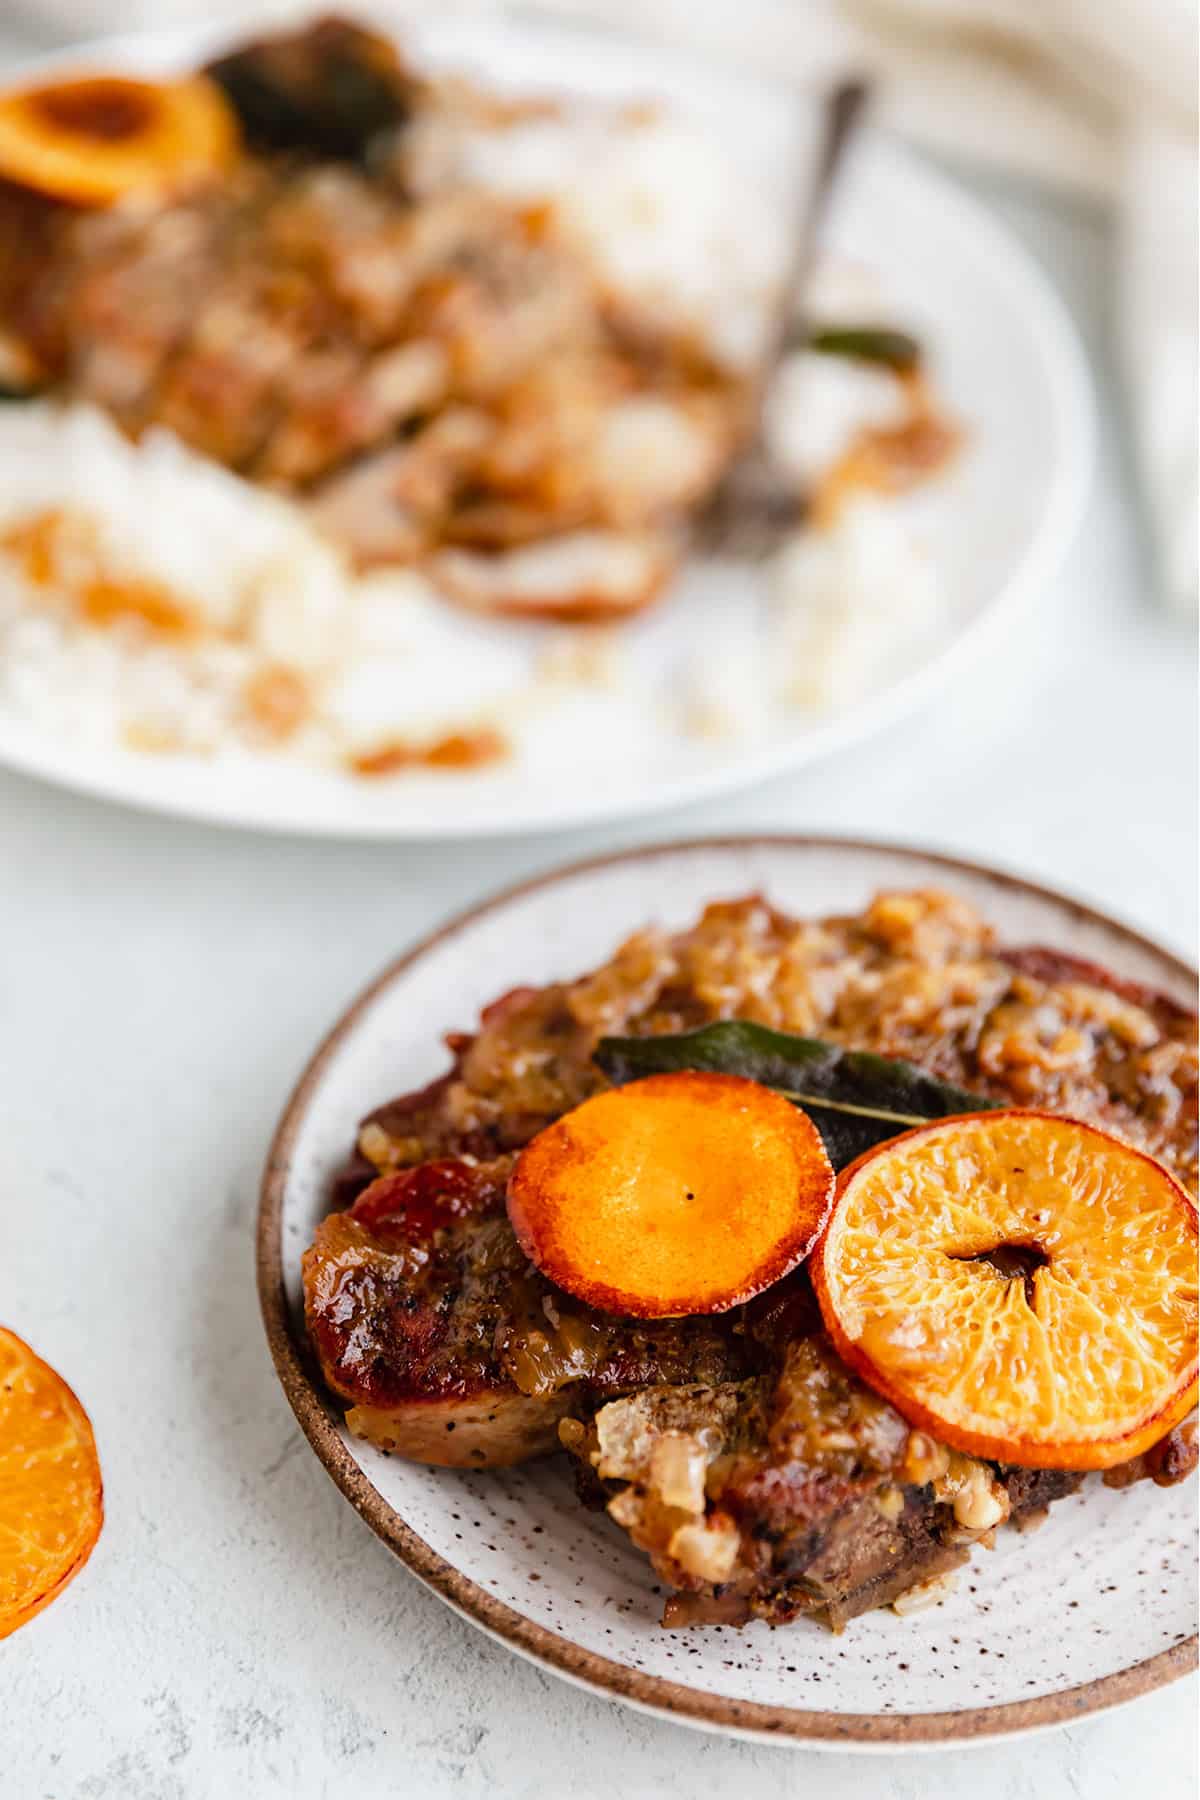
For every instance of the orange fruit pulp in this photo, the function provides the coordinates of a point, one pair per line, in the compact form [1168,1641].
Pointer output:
[1020,1285]
[51,1497]
[94,138]
[678,1194]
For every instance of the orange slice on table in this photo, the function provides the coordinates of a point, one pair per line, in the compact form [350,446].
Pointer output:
[51,1499]
[681,1193]
[94,138]
[1019,1285]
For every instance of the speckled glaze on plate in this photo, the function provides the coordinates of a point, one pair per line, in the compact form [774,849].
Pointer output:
[1096,1607]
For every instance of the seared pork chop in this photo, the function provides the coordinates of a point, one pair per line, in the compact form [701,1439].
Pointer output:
[762,1477]
[448,1344]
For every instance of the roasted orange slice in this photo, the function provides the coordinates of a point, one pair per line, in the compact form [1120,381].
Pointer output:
[95,138]
[682,1193]
[51,1500]
[1019,1285]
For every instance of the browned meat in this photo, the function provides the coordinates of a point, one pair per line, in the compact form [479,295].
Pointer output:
[1172,1459]
[31,233]
[332,405]
[108,296]
[442,368]
[452,1349]
[761,1476]
[579,576]
[404,1294]
[915,975]
[374,255]
[390,505]
[221,390]
[797,1493]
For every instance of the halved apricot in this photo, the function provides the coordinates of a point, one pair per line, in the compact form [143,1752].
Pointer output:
[1021,1286]
[95,138]
[683,1193]
[51,1498]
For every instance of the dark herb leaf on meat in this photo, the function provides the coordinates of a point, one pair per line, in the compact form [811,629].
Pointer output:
[327,89]
[869,343]
[855,1099]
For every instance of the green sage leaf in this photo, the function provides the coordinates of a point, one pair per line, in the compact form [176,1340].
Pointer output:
[855,1098]
[869,343]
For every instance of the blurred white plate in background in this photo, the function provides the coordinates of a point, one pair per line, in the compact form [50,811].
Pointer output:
[1006,362]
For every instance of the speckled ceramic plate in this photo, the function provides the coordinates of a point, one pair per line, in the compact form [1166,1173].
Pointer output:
[1096,1607]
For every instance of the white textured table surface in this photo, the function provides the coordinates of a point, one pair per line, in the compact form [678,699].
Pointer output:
[239,1631]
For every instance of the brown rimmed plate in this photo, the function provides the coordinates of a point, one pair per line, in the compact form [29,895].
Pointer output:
[1095,1608]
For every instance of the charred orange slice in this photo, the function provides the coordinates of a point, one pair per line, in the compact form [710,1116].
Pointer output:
[51,1499]
[683,1193]
[1021,1286]
[93,139]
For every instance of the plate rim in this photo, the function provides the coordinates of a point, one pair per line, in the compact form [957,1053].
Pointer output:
[113,778]
[599,1674]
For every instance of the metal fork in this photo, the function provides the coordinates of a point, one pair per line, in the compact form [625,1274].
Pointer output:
[753,505]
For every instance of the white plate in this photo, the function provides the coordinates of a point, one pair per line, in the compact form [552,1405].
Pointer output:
[1006,359]
[1097,1606]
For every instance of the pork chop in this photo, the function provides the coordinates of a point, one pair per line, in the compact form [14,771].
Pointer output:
[450,1347]
[761,1476]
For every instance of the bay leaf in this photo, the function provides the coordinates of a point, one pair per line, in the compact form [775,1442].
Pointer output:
[869,343]
[855,1098]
